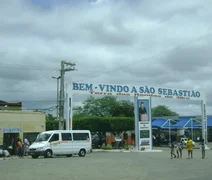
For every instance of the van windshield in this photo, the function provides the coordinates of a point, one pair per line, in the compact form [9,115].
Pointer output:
[43,137]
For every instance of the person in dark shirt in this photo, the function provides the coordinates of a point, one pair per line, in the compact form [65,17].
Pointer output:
[143,113]
[20,147]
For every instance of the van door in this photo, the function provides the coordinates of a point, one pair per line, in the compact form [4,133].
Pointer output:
[66,143]
[81,140]
[55,143]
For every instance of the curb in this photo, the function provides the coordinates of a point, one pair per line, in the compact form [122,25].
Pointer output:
[15,157]
[102,150]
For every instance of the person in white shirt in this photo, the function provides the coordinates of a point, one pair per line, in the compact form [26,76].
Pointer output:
[26,146]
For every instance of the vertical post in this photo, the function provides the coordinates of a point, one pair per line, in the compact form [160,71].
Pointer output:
[136,123]
[204,121]
[58,95]
[58,81]
[69,124]
[67,109]
[71,111]
[61,112]
[169,131]
[150,123]
[192,130]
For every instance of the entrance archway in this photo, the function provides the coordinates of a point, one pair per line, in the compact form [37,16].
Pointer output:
[142,100]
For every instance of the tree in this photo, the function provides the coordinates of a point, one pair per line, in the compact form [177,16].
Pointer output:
[124,109]
[51,122]
[114,125]
[107,106]
[162,110]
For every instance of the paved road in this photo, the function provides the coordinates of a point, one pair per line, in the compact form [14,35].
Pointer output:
[109,166]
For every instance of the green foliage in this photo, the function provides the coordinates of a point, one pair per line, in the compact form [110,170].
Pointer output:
[114,125]
[51,122]
[107,106]
[162,110]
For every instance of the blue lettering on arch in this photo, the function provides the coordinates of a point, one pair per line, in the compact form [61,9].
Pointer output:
[82,87]
[112,88]
[170,92]
[198,94]
[160,91]
[180,93]
[164,91]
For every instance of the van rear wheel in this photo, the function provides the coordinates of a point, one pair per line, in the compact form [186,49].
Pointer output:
[82,152]
[48,154]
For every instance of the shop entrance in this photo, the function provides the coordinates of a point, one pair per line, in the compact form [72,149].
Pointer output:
[9,142]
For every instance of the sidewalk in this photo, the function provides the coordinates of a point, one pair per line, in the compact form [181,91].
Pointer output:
[14,157]
[197,146]
[123,150]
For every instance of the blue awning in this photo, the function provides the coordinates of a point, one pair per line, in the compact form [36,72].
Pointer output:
[209,122]
[192,124]
[185,122]
[199,125]
[168,125]
[158,123]
[182,122]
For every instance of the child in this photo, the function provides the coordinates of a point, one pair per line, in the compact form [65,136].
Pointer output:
[203,148]
[179,149]
[172,151]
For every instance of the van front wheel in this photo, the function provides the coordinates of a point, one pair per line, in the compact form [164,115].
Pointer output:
[48,154]
[82,152]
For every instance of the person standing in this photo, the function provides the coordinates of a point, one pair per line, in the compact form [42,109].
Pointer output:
[172,151]
[179,148]
[143,116]
[26,146]
[189,145]
[20,147]
[203,148]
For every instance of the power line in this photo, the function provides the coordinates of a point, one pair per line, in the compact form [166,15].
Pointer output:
[33,84]
[37,68]
[178,47]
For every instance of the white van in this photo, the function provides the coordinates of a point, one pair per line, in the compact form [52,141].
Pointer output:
[61,143]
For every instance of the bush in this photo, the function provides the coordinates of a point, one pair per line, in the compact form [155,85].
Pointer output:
[104,124]
[107,148]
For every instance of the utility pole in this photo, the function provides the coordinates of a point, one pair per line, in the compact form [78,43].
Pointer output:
[58,95]
[65,67]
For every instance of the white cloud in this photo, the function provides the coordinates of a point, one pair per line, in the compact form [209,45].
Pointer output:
[111,42]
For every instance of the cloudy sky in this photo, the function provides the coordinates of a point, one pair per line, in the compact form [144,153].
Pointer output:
[161,43]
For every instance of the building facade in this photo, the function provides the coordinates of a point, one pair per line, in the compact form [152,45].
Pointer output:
[10,106]
[20,124]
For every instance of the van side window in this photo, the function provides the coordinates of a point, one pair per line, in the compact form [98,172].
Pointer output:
[55,137]
[66,137]
[80,136]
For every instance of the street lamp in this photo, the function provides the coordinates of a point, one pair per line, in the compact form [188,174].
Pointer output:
[58,79]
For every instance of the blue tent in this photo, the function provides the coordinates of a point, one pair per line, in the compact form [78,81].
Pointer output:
[182,122]
[158,123]
[192,124]
[167,125]
[209,122]
[199,125]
